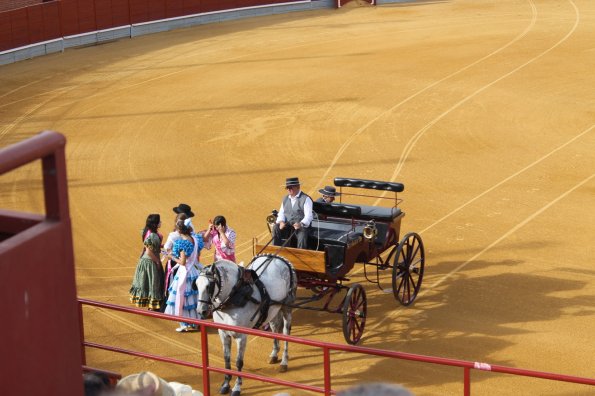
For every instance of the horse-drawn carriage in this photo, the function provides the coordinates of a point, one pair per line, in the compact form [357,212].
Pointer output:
[341,235]
[344,234]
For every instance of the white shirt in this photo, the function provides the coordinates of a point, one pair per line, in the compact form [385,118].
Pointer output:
[169,244]
[171,238]
[307,210]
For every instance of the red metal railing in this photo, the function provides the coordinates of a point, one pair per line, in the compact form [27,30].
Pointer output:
[467,366]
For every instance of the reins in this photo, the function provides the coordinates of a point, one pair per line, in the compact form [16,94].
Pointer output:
[266,263]
[280,247]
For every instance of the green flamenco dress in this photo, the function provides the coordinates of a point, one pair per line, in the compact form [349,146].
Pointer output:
[147,284]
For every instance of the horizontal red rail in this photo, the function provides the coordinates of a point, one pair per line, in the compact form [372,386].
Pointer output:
[142,354]
[29,150]
[326,348]
[203,326]
[200,366]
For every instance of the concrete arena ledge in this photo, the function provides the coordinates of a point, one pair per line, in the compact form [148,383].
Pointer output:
[128,31]
[381,2]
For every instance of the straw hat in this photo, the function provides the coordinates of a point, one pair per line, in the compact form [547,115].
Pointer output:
[145,380]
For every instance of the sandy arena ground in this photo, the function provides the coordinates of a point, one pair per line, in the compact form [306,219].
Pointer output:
[485,110]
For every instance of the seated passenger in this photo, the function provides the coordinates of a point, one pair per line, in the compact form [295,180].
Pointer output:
[295,211]
[328,194]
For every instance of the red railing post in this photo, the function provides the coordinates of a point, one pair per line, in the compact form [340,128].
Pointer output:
[467,381]
[327,370]
[54,185]
[82,329]
[204,345]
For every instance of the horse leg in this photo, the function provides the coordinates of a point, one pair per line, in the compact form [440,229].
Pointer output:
[241,343]
[275,328]
[226,342]
[286,331]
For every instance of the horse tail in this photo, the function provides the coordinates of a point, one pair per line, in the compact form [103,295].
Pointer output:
[292,284]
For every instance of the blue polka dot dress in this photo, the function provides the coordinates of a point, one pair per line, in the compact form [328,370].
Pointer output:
[183,298]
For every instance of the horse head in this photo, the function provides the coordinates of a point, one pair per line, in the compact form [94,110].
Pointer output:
[209,287]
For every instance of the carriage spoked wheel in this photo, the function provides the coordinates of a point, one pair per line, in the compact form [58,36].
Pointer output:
[355,308]
[408,270]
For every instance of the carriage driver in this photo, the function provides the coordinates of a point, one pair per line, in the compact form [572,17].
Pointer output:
[296,213]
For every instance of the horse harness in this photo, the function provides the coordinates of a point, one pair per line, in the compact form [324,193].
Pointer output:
[240,293]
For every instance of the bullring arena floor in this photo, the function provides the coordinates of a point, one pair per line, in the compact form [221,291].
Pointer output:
[485,110]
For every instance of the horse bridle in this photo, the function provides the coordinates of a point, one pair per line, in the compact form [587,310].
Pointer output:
[214,279]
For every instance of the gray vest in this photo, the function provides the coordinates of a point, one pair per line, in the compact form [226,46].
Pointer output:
[294,214]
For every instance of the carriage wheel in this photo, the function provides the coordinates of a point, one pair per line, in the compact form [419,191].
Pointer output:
[408,270]
[355,308]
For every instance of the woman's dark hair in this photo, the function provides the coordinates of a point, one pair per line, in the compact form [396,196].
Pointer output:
[180,216]
[152,224]
[220,220]
[182,228]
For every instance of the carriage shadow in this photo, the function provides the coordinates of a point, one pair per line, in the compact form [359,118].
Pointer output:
[467,317]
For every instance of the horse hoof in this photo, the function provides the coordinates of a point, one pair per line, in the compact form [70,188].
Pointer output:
[283,368]
[224,390]
[273,360]
[235,393]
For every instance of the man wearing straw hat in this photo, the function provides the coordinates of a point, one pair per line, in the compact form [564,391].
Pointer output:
[295,214]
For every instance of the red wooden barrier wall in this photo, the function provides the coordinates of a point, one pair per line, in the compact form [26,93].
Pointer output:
[5,31]
[120,13]
[86,15]
[38,350]
[47,21]
[103,14]
[51,18]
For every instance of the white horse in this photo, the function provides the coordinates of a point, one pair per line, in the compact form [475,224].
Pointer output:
[237,299]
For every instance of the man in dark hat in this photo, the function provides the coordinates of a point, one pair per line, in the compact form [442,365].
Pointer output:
[187,210]
[328,194]
[295,213]
[183,208]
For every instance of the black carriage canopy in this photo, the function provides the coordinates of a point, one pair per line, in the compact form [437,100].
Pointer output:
[337,209]
[362,212]
[369,184]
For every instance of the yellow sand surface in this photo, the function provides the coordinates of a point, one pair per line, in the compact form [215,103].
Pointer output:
[485,110]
